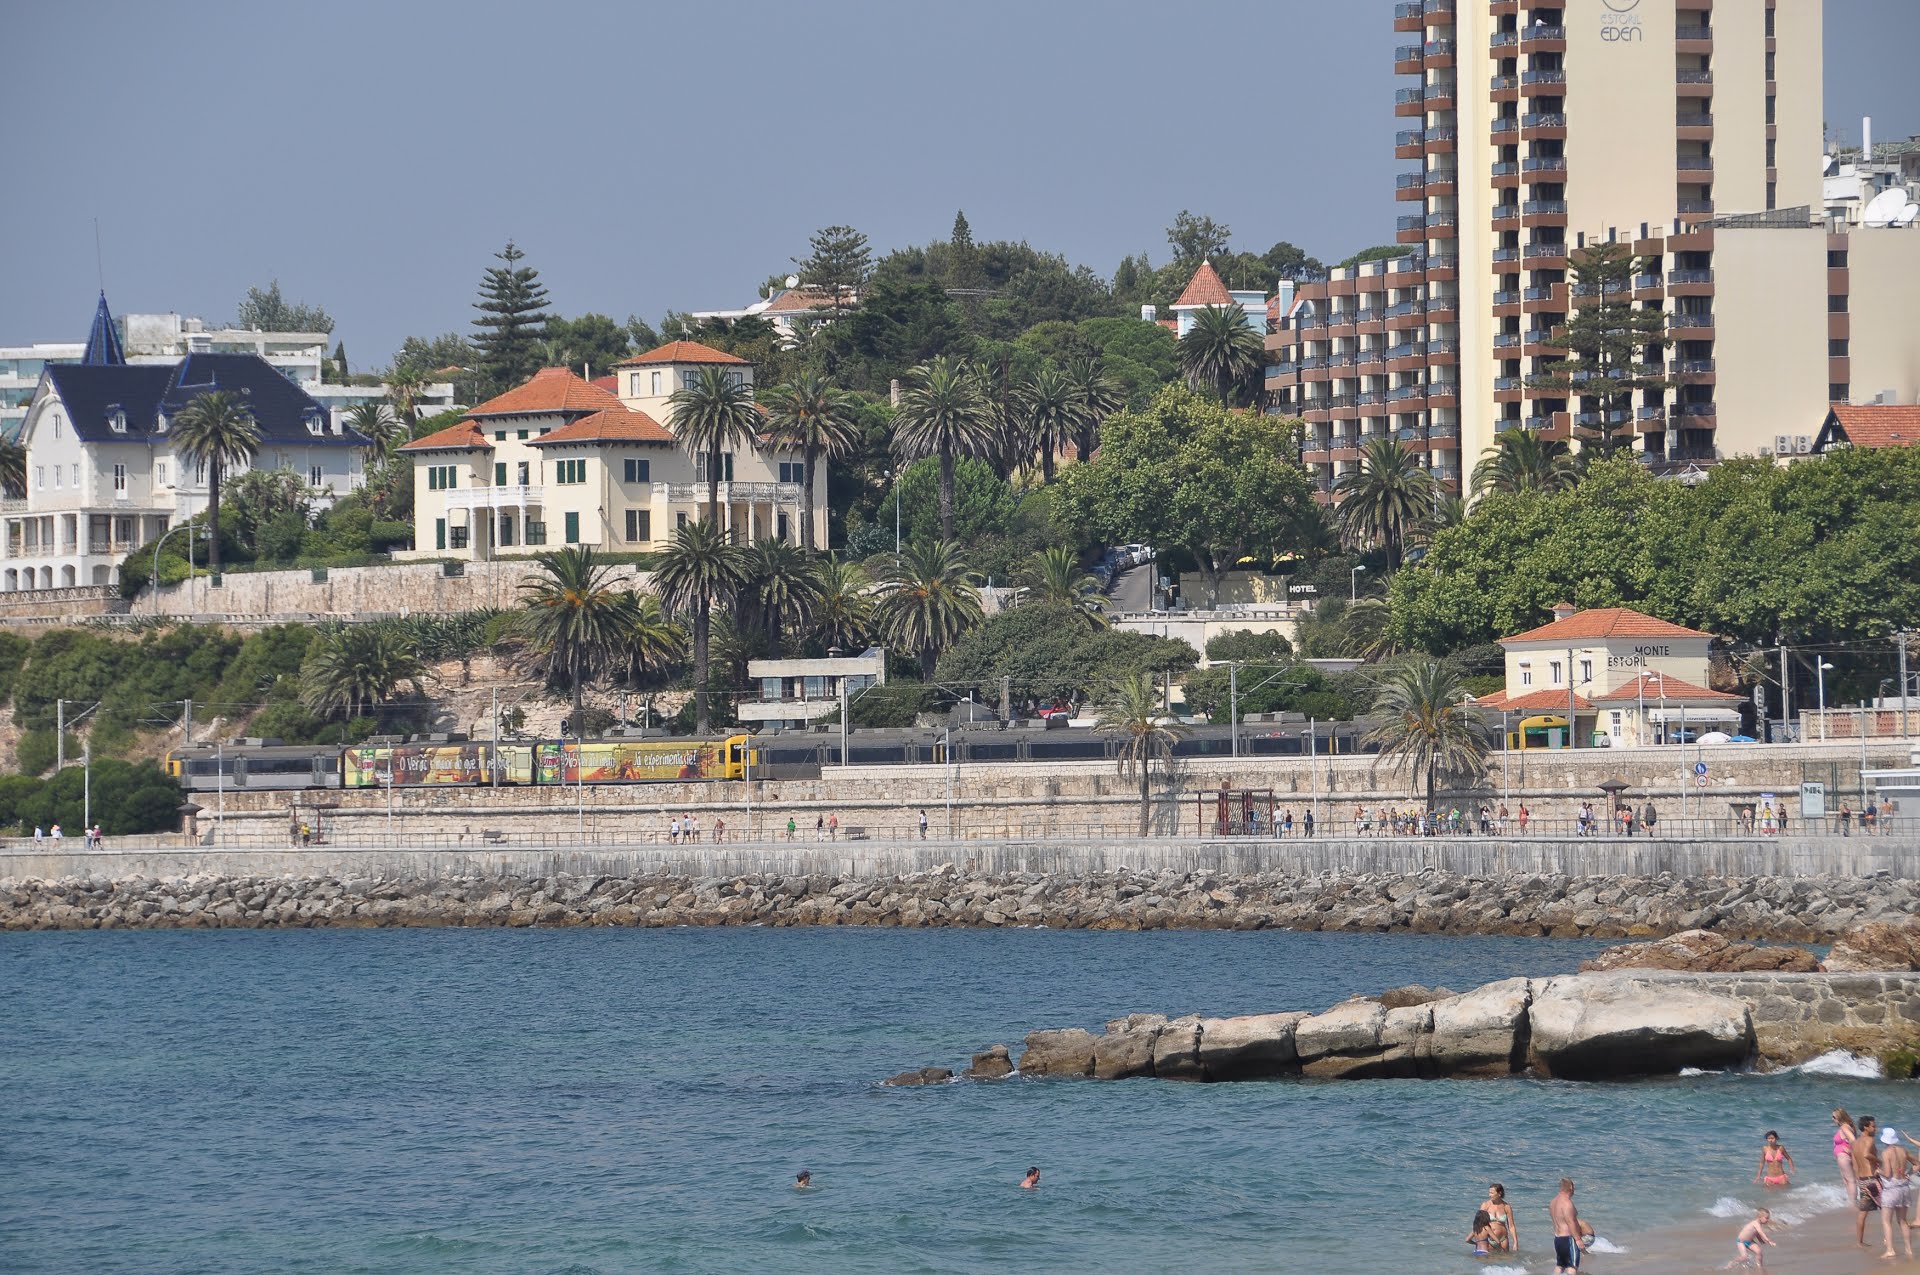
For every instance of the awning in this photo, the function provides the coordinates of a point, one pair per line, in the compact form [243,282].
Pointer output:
[1691,715]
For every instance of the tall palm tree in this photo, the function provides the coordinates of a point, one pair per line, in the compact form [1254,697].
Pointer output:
[1053,577]
[928,602]
[1219,351]
[1520,460]
[1427,729]
[700,569]
[1129,706]
[714,413]
[216,429]
[944,414]
[405,383]
[781,590]
[814,417]
[843,611]
[573,618]
[1050,408]
[376,423]
[355,667]
[1386,498]
[13,469]
[1100,397]
[651,642]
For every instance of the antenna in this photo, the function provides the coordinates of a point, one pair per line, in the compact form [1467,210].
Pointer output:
[99,268]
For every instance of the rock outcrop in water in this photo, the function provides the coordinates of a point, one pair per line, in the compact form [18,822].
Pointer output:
[1578,1026]
[1878,945]
[1702,952]
[1799,909]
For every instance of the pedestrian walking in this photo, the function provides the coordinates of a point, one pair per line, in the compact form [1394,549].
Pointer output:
[819,827]
[1649,817]
[923,825]
[833,827]
[1846,821]
[57,834]
[38,833]
[1306,823]
[1525,816]
[719,829]
[789,827]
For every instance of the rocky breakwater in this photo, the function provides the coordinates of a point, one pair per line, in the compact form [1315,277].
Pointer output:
[1803,909]
[1592,1026]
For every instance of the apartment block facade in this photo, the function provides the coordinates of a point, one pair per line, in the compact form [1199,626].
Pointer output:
[1687,131]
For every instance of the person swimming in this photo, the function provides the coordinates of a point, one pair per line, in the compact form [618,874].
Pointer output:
[802,1180]
[1493,1225]
[1776,1162]
[1031,1181]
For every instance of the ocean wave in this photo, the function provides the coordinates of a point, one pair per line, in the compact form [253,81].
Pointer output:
[1504,1270]
[1838,1062]
[1696,1071]
[1601,1244]
[1792,1206]
[1727,1206]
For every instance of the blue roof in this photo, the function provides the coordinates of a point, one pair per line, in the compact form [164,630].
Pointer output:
[93,394]
[103,342]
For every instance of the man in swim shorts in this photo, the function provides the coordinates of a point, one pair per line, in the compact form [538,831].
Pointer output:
[1866,1168]
[1566,1230]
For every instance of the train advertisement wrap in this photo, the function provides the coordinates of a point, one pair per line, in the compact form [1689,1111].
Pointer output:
[422,765]
[638,761]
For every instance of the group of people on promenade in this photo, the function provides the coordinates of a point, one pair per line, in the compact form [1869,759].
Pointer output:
[1877,1167]
[95,839]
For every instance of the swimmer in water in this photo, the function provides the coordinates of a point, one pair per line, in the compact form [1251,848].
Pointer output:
[1031,1181]
[1747,1244]
[802,1180]
[1776,1163]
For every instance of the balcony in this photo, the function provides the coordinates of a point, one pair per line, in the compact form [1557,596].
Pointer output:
[1694,163]
[1695,321]
[1437,12]
[1544,81]
[1546,252]
[1504,124]
[1692,414]
[1409,143]
[1401,393]
[512,496]
[1693,38]
[1409,181]
[1505,172]
[1650,413]
[1399,308]
[1444,217]
[1539,292]
[1441,133]
[1503,40]
[1407,350]
[1406,60]
[1506,340]
[1417,221]
[1409,102]
[1506,297]
[1540,38]
[1276,371]
[1544,164]
[1690,281]
[1503,384]
[1502,87]
[1437,49]
[1439,97]
[1694,207]
[1692,75]
[1509,213]
[1694,126]
[1543,119]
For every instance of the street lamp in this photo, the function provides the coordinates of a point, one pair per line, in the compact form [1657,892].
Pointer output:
[153,580]
[1353,583]
[1820,670]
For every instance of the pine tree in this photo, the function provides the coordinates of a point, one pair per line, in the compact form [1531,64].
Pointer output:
[837,261]
[962,232]
[340,362]
[512,322]
[1612,349]
[964,271]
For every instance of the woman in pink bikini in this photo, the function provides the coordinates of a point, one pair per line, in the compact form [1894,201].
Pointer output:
[1843,1136]
[1776,1162]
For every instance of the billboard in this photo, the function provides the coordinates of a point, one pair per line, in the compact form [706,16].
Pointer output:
[424,765]
[631,761]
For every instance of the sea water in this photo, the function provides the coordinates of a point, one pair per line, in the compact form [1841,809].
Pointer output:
[636,1100]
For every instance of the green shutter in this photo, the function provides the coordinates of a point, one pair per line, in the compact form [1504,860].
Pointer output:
[439,533]
[573,529]
[499,473]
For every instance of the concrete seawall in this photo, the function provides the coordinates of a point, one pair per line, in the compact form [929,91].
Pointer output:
[1897,858]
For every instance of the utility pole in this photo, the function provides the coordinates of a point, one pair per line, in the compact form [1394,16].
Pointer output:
[1902,639]
[187,723]
[1786,700]
[1233,706]
[59,735]
[846,702]
[493,758]
[1006,697]
[1573,719]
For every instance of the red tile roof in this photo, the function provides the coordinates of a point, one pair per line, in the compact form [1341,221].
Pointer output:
[1546,701]
[1205,288]
[1878,424]
[802,299]
[614,425]
[1604,622]
[1651,685]
[610,383]
[460,436]
[682,352]
[553,390]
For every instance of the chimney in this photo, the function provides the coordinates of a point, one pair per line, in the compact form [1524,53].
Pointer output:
[1562,611]
[893,393]
[1148,314]
[1866,139]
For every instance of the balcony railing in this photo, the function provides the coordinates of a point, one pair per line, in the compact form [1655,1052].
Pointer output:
[1401,393]
[1407,53]
[1508,383]
[1407,350]
[1689,276]
[1540,31]
[1651,412]
[1540,207]
[1403,96]
[1503,39]
[1505,168]
[1543,119]
[1693,409]
[1442,133]
[1399,308]
[1546,76]
[1409,181]
[1443,218]
[1539,292]
[1505,124]
[1504,212]
[1443,345]
[1544,164]
[1506,297]
[1693,163]
[1437,48]
[1500,82]
[1642,282]
[1538,336]
[1693,319]
[1538,422]
[1692,75]
[1505,340]
[510,496]
[1534,250]
[1694,119]
[1415,222]
[1276,370]
[1694,205]
[1410,137]
[1693,32]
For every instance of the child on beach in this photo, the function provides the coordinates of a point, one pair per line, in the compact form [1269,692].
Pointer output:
[1776,1163]
[1747,1243]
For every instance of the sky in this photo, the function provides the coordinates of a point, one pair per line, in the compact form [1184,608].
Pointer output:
[650,156]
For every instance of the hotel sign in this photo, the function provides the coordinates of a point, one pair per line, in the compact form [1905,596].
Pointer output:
[1639,655]
[1620,24]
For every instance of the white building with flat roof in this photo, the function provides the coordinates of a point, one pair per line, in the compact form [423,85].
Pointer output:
[796,693]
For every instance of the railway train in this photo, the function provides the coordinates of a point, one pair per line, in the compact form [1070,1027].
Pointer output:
[454,760]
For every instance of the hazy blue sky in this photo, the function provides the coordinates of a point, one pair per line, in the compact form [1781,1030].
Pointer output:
[651,156]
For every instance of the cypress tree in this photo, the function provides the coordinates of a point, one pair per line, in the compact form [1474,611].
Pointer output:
[1611,348]
[965,269]
[512,322]
[339,363]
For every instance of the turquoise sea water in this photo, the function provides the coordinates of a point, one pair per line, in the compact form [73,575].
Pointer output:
[630,1100]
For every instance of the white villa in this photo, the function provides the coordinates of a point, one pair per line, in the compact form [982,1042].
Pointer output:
[103,478]
[561,461]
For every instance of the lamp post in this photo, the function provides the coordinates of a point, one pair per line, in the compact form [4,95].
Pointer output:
[153,580]
[1820,668]
[1353,583]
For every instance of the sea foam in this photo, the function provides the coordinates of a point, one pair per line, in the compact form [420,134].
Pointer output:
[1838,1062]
[1601,1244]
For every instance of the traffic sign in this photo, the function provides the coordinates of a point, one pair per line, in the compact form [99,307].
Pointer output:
[1699,768]
[1701,782]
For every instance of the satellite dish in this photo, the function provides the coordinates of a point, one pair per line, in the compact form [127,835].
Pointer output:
[793,281]
[1883,207]
[1826,163]
[1905,217]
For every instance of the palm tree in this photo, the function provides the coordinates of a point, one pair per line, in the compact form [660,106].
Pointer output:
[712,414]
[13,469]
[376,423]
[699,569]
[843,612]
[1129,707]
[1219,351]
[1100,397]
[651,642]
[816,418]
[1386,498]
[943,413]
[1050,408]
[1427,728]
[781,591]
[216,429]
[355,667]
[1520,460]
[928,602]
[404,385]
[573,618]
[1053,577]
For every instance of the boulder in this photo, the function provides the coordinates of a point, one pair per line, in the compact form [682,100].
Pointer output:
[990,1064]
[1068,1052]
[923,1076]
[1601,1026]
[1479,1033]
[1125,1054]
[1249,1047]
[1702,952]
[1877,946]
[1176,1050]
[1412,994]
[1351,1027]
